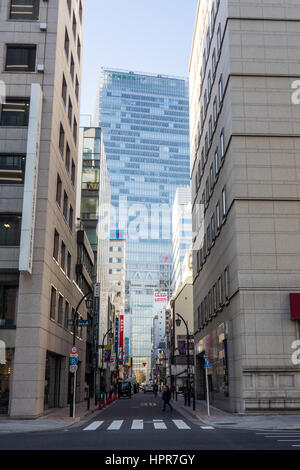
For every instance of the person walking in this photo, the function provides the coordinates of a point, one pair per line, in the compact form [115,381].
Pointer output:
[155,389]
[166,396]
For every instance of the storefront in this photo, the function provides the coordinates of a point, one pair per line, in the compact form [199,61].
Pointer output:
[5,378]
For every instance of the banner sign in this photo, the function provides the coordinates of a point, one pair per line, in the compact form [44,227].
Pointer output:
[117,338]
[121,345]
[160,296]
[117,234]
[126,351]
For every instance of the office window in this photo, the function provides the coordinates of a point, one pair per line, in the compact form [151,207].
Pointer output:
[53,303]
[27,10]
[220,89]
[63,256]
[222,146]
[216,162]
[71,215]
[8,303]
[206,146]
[15,112]
[56,245]
[74,25]
[70,111]
[12,169]
[75,130]
[58,190]
[208,238]
[205,101]
[78,49]
[69,260]
[72,67]
[64,90]
[208,40]
[61,140]
[215,111]
[219,39]
[60,309]
[69,3]
[213,62]
[73,172]
[210,129]
[224,202]
[20,58]
[218,218]
[215,299]
[209,83]
[202,117]
[80,11]
[10,229]
[220,292]
[202,160]
[212,17]
[67,313]
[65,206]
[226,283]
[211,177]
[213,227]
[67,43]
[77,88]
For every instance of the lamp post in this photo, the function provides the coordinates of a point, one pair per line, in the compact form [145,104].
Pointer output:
[110,335]
[88,304]
[178,322]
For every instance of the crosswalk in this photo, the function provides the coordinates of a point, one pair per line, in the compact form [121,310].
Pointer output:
[291,438]
[140,425]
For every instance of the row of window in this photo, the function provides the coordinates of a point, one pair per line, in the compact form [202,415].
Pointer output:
[214,301]
[65,152]
[59,254]
[28,10]
[12,168]
[15,112]
[210,234]
[67,210]
[10,229]
[60,312]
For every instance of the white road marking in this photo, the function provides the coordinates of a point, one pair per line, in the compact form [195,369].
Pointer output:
[115,425]
[180,424]
[207,427]
[137,424]
[159,425]
[93,426]
[288,440]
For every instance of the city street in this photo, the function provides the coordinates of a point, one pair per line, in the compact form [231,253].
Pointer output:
[140,424]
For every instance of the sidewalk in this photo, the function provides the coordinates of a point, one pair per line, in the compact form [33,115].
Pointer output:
[58,418]
[222,419]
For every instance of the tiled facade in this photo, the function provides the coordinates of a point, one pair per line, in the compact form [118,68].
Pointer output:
[245,174]
[39,339]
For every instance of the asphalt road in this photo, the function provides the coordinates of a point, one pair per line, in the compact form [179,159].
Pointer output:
[140,424]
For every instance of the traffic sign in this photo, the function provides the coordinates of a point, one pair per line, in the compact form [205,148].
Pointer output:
[83,322]
[207,365]
[73,361]
[73,369]
[74,350]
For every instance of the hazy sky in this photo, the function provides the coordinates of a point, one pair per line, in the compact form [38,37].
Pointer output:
[140,35]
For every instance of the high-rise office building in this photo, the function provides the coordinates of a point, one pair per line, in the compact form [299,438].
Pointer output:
[145,123]
[245,174]
[40,55]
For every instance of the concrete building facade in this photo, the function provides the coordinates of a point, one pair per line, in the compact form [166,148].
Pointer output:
[40,56]
[245,176]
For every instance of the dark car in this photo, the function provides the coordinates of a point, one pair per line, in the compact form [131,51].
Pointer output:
[124,389]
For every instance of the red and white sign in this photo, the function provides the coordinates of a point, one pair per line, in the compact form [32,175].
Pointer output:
[121,342]
[74,350]
[160,296]
[144,364]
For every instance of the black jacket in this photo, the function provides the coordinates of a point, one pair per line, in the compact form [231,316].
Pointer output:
[166,396]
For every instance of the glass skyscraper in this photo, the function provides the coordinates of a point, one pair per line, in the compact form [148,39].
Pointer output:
[145,124]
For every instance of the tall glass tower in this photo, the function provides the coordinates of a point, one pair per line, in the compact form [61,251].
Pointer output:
[145,123]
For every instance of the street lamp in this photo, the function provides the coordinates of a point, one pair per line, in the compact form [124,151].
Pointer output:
[89,303]
[178,323]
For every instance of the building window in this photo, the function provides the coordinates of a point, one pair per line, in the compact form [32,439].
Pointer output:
[207,192]
[80,11]
[213,63]
[213,228]
[205,101]
[206,146]
[61,140]
[78,49]
[27,10]
[222,146]
[210,129]
[216,162]
[70,111]
[226,283]
[63,256]
[20,58]
[71,215]
[74,25]
[219,39]
[209,83]
[64,90]
[53,303]
[211,177]
[72,67]
[65,206]
[77,88]
[218,218]
[56,245]
[215,299]
[8,303]
[12,169]
[15,112]
[67,313]
[224,207]
[215,111]
[67,44]
[75,130]
[69,265]
[60,309]
[73,172]
[58,190]
[220,88]
[68,156]
[208,238]
[10,229]
[69,3]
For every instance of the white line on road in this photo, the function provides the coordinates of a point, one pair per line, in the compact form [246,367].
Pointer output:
[284,435]
[115,425]
[159,425]
[180,424]
[207,427]
[288,440]
[93,426]
[137,424]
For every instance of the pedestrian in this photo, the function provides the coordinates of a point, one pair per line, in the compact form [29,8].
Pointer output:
[155,389]
[166,396]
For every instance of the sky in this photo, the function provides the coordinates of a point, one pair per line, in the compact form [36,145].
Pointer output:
[139,35]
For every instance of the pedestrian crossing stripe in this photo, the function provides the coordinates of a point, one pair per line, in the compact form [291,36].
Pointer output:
[138,424]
